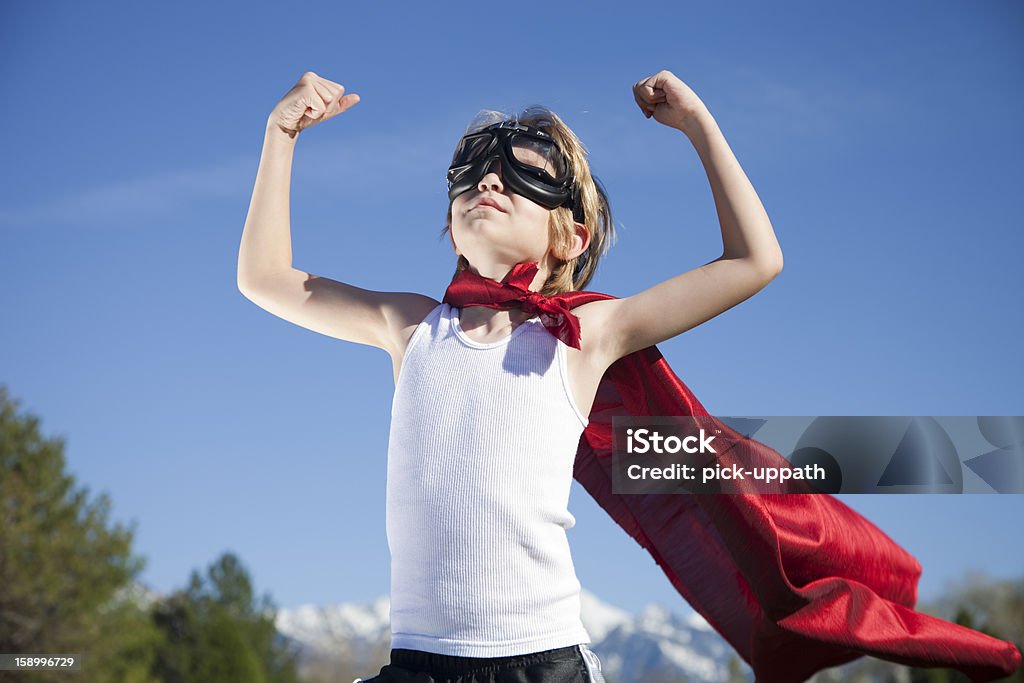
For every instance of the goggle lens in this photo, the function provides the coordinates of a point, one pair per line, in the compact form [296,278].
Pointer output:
[542,155]
[535,153]
[471,148]
[536,169]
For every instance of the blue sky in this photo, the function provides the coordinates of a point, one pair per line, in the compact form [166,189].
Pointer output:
[884,141]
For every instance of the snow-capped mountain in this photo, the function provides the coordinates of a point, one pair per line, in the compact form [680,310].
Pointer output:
[659,645]
[653,645]
[321,628]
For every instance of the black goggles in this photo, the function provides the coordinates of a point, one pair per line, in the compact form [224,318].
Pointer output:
[531,165]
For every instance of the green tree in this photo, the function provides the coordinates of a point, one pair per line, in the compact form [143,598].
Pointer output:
[216,631]
[62,565]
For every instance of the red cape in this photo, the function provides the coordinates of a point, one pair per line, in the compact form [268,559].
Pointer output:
[795,582]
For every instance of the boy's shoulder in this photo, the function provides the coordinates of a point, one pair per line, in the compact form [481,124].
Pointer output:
[599,329]
[407,308]
[403,312]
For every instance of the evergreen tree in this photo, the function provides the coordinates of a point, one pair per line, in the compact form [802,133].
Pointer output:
[217,632]
[62,565]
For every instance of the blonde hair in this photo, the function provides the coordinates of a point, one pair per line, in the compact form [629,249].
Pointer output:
[575,273]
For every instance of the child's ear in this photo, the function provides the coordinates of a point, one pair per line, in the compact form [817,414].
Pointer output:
[580,241]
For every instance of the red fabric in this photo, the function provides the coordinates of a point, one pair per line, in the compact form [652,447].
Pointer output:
[514,290]
[794,582]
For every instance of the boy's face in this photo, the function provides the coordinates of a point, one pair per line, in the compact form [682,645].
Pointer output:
[515,231]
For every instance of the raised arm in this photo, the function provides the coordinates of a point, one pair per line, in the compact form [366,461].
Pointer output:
[266,275]
[751,256]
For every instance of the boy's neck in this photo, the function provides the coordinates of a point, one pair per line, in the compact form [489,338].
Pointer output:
[490,321]
[498,272]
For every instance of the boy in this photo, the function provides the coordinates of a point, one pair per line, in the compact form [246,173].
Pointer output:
[494,384]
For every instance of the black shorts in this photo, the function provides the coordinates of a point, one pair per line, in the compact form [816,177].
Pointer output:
[572,664]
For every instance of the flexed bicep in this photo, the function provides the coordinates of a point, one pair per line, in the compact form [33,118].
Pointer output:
[682,303]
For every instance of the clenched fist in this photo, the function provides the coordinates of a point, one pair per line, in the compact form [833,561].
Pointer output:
[312,100]
[670,101]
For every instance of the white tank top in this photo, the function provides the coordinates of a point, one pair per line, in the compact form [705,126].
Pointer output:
[480,463]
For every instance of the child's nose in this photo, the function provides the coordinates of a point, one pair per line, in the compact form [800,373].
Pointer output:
[492,177]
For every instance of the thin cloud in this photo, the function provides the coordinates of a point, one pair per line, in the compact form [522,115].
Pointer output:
[133,199]
[768,113]
[404,162]
[802,112]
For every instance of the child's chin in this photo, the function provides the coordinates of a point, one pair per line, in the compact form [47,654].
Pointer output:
[487,221]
